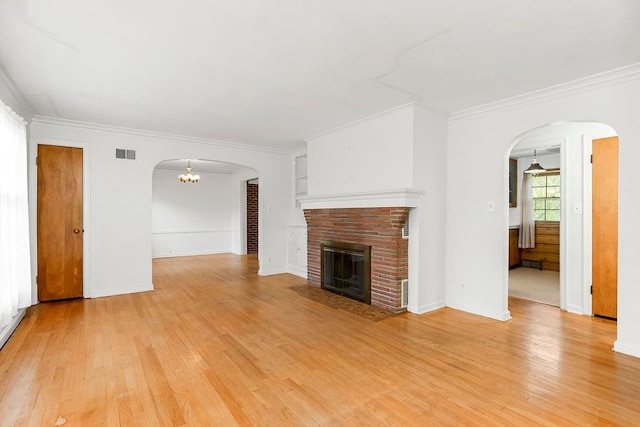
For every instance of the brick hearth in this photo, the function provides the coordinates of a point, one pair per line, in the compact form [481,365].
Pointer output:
[380,228]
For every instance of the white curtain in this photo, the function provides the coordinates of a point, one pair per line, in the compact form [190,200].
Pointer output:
[527,237]
[15,262]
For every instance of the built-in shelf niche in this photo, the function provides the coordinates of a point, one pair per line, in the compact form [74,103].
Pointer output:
[300,178]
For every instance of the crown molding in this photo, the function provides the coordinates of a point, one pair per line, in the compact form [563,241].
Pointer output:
[405,197]
[619,75]
[54,121]
[15,95]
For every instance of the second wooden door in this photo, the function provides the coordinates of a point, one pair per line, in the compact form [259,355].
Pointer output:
[605,227]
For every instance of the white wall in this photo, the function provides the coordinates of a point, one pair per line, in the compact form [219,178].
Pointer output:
[369,155]
[119,203]
[404,148]
[191,219]
[575,232]
[476,250]
[426,231]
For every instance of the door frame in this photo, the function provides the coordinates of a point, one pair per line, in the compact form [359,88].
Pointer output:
[33,210]
[587,231]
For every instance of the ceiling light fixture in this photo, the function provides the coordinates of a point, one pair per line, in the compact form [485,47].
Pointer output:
[535,167]
[189,177]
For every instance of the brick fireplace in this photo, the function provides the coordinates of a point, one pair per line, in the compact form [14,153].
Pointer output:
[379,228]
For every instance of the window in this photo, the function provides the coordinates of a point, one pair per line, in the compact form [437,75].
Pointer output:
[15,262]
[546,196]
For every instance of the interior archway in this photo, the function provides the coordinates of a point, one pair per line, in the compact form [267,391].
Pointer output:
[572,142]
[199,218]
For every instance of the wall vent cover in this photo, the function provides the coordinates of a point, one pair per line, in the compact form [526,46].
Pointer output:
[122,153]
[405,230]
[404,294]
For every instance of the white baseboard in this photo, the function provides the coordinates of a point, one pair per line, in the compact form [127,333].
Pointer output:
[179,254]
[575,309]
[121,291]
[297,271]
[271,271]
[422,309]
[11,327]
[502,316]
[626,348]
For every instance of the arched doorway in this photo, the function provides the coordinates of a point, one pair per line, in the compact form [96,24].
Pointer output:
[573,141]
[203,217]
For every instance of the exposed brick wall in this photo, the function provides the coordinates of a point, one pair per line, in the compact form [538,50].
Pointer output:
[380,228]
[252,218]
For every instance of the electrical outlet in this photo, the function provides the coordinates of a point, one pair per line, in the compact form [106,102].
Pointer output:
[268,260]
[463,288]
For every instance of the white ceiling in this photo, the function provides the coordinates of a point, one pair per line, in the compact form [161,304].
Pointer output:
[276,72]
[540,151]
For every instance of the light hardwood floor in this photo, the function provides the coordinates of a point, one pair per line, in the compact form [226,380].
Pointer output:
[217,345]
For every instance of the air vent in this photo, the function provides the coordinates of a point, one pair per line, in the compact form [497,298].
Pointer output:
[404,293]
[122,153]
[405,230]
[532,264]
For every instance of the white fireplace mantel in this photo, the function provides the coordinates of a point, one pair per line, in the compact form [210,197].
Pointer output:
[405,197]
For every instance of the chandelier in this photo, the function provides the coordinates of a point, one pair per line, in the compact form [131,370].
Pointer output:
[189,177]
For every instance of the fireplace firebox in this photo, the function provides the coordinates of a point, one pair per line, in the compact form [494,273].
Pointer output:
[346,269]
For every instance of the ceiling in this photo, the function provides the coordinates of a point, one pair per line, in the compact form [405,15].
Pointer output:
[541,150]
[276,72]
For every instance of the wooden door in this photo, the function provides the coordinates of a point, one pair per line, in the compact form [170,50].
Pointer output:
[59,222]
[605,227]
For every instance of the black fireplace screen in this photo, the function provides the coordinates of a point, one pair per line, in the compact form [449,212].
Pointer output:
[346,270]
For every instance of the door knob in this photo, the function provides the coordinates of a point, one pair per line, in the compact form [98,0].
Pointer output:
[76,231]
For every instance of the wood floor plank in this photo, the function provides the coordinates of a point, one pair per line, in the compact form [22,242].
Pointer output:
[216,344]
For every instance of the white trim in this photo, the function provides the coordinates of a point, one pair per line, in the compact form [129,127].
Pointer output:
[153,134]
[5,333]
[502,316]
[182,254]
[595,81]
[575,309]
[302,151]
[271,272]
[626,348]
[363,119]
[15,94]
[387,198]
[587,227]
[297,270]
[171,231]
[565,211]
[422,309]
[122,291]
[243,217]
